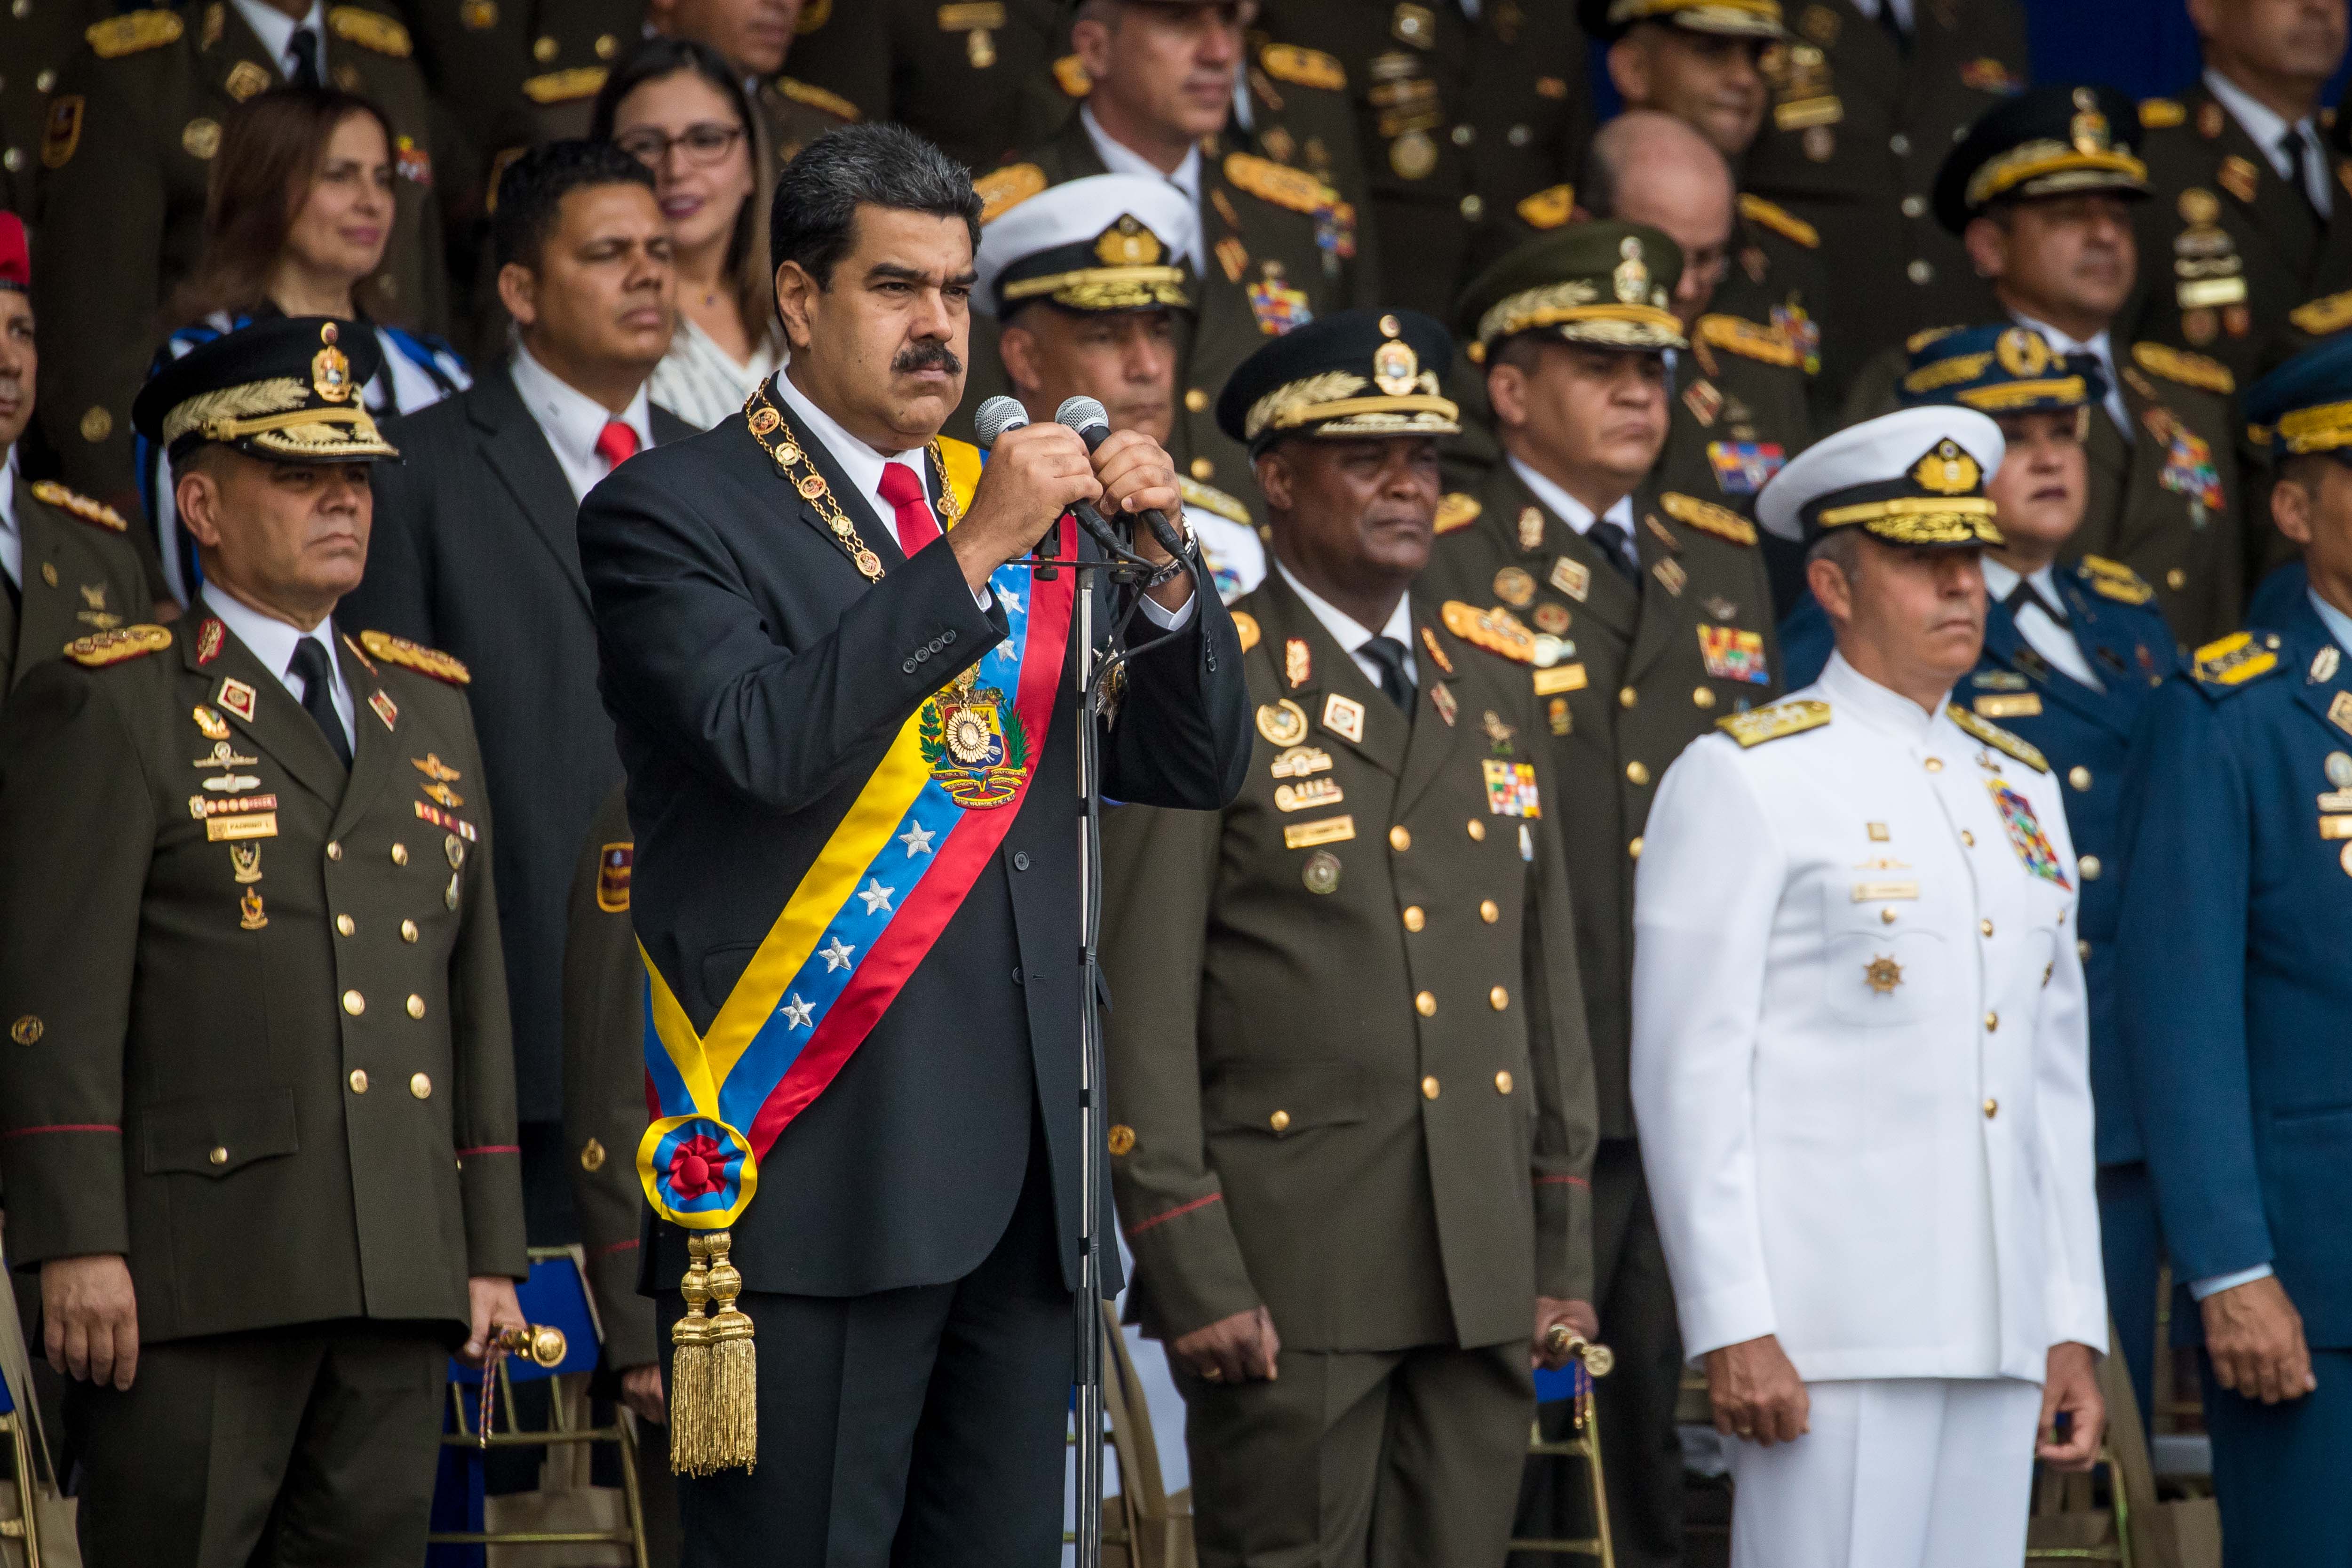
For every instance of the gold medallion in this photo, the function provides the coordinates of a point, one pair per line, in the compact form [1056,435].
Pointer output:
[1321,875]
[1551,619]
[1515,586]
[1412,155]
[1883,975]
[213,726]
[1283,722]
[200,138]
[2022,353]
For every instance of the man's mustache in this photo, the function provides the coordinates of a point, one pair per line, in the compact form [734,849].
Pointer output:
[927,356]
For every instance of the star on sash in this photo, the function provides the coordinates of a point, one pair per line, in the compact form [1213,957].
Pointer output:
[797,1012]
[835,956]
[917,840]
[877,897]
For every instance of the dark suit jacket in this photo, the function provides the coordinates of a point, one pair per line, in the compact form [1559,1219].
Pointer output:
[474,553]
[755,680]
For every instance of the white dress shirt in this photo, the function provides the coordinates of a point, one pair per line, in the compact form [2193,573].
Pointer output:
[1574,512]
[2338,624]
[1120,159]
[12,537]
[273,642]
[1352,635]
[572,420]
[2262,123]
[276,30]
[1871,8]
[701,382]
[2100,348]
[2043,635]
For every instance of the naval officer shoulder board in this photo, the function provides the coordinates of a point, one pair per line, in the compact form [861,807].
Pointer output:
[2234,662]
[1999,739]
[1758,725]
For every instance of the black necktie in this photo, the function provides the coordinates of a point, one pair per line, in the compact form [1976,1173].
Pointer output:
[1395,684]
[2299,165]
[1894,25]
[319,694]
[2025,594]
[304,47]
[1611,540]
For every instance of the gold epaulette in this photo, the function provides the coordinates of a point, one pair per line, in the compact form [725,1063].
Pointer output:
[815,15]
[2328,313]
[1210,499]
[1758,725]
[833,103]
[1708,517]
[1496,630]
[1070,76]
[2114,580]
[1006,188]
[1926,335]
[1993,735]
[1456,510]
[1246,625]
[133,32]
[102,648]
[565,85]
[2235,659]
[2161,113]
[1749,339]
[95,512]
[370,30]
[1279,183]
[1548,208]
[2180,365]
[1303,67]
[1780,221]
[424,660]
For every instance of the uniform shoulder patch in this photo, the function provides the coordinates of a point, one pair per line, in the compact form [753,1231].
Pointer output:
[1548,208]
[1926,335]
[1246,625]
[424,660]
[1303,67]
[2235,660]
[102,648]
[1758,725]
[2328,313]
[1210,499]
[2161,113]
[1279,183]
[833,103]
[1070,76]
[133,32]
[565,85]
[95,512]
[2114,580]
[2000,740]
[1004,189]
[1780,221]
[370,30]
[2187,369]
[1496,630]
[1708,517]
[1750,340]
[1456,509]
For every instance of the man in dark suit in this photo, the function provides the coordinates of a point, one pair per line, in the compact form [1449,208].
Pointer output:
[473,552]
[818,715]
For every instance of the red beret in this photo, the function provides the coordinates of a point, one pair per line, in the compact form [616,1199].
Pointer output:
[15,258]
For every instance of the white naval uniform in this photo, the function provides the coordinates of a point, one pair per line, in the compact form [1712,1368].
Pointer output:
[1894,1178]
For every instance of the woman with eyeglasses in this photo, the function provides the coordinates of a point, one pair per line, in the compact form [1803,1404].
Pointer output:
[675,107]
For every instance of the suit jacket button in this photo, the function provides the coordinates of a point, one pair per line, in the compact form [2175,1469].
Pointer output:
[408,931]
[2089,866]
[1399,838]
[1489,910]
[415,1005]
[1499,998]
[400,853]
[907,666]
[947,637]
[1502,1083]
[1016,974]
[1425,1005]
[1429,1088]
[1021,859]
[359,1080]
[1279,1120]
[345,926]
[354,1004]
[219,1156]
[421,1086]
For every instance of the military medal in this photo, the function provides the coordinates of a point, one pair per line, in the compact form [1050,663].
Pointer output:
[1883,975]
[384,708]
[2025,835]
[1302,762]
[249,914]
[1552,618]
[1309,796]
[1515,586]
[244,862]
[223,756]
[1670,575]
[1558,717]
[1322,872]
[1284,723]
[1344,717]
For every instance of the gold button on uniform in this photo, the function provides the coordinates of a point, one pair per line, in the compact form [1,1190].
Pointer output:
[1499,998]
[421,1086]
[1502,1083]
[2089,866]
[408,931]
[1992,1023]
[344,925]
[1477,831]
[1471,208]
[334,850]
[354,1004]
[400,853]
[2176,579]
[1985,926]
[1429,1088]
[1635,772]
[1993,1109]
[1489,910]
[2083,951]
[1425,1005]
[1279,1120]
[1195,399]
[1413,918]
[1935,765]
[1887,915]
[2079,776]
[359,1080]
[1202,468]
[1968,838]
[1627,696]
[1400,839]
[1703,697]
[219,1156]
[415,1005]
[1633,850]
[592,1154]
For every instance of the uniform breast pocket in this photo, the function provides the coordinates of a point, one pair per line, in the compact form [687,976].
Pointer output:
[1283,1099]
[1880,970]
[220,1137]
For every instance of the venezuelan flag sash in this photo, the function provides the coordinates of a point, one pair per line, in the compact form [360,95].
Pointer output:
[881,890]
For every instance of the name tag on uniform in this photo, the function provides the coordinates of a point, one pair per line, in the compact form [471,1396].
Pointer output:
[1560,678]
[260,824]
[1327,830]
[1870,892]
[2023,706]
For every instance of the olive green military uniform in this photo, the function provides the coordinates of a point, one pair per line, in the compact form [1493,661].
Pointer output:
[37,38]
[133,129]
[260,1050]
[514,72]
[1857,127]
[1471,133]
[80,574]
[1740,410]
[1349,1082]
[975,78]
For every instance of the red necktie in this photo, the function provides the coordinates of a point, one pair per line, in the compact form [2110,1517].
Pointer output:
[615,443]
[911,507]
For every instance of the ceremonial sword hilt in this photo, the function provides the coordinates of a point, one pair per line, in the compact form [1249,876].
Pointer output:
[544,1345]
[1560,1338]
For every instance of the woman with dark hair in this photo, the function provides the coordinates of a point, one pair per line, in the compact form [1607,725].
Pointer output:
[675,107]
[296,222]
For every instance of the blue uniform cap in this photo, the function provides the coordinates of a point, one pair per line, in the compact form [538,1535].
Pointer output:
[2000,369]
[2305,405]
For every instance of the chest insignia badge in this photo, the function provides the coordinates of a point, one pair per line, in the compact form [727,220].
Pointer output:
[1883,975]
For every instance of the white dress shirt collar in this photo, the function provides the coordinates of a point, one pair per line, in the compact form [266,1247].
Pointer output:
[12,537]
[1854,695]
[572,420]
[2261,122]
[273,642]
[2043,635]
[2101,347]
[1121,159]
[1352,635]
[1871,8]
[276,30]
[2338,624]
[859,463]
[1569,509]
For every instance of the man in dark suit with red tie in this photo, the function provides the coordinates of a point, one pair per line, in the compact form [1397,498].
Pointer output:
[835,680]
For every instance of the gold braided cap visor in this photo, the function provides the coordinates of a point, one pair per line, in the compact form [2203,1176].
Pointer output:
[1333,400]
[1107,288]
[273,417]
[1580,317]
[1917,519]
[2325,429]
[2053,168]
[2011,396]
[1745,18]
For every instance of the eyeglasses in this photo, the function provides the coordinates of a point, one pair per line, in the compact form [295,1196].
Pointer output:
[703,145]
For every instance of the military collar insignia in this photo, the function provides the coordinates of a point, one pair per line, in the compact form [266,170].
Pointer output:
[236,697]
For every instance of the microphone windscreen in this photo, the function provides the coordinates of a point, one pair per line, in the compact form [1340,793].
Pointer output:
[997,416]
[1086,415]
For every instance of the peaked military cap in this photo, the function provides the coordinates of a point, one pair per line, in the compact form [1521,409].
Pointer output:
[287,390]
[1610,20]
[1603,284]
[2050,140]
[1351,373]
[2001,370]
[2305,405]
[1914,477]
[16,256]
[1108,242]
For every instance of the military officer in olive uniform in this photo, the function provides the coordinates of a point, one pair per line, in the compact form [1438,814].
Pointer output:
[1650,618]
[1352,1094]
[131,134]
[1471,122]
[67,564]
[974,77]
[37,38]
[259,1135]
[513,73]
[1867,96]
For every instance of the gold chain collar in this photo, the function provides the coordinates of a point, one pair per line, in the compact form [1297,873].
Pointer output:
[789,451]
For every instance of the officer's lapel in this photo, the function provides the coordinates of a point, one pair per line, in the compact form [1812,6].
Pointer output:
[255,700]
[2110,458]
[2116,665]
[2280,219]
[2306,635]
[1863,61]
[1608,598]
[516,449]
[1434,726]
[375,724]
[1381,734]
[1665,585]
[238,56]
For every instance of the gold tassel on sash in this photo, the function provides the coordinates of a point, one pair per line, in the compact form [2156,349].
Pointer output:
[714,1417]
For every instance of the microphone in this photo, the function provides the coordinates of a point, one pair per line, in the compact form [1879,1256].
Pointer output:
[997,416]
[1087,416]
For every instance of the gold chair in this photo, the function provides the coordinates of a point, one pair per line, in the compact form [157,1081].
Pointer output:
[37,1524]
[1144,1526]
[1582,1442]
